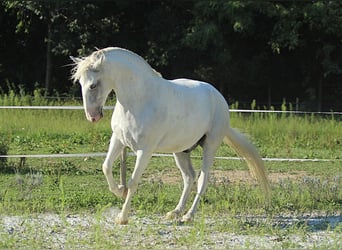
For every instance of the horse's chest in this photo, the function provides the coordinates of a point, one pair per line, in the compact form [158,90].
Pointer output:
[130,135]
[127,137]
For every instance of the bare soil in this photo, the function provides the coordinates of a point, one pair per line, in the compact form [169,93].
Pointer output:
[173,176]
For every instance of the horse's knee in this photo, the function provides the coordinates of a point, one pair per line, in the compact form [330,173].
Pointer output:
[192,175]
[189,176]
[107,170]
[132,185]
[189,180]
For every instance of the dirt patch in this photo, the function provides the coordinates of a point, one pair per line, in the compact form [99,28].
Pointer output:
[173,176]
[244,175]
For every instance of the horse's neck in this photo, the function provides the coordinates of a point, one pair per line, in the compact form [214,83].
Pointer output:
[135,82]
[134,93]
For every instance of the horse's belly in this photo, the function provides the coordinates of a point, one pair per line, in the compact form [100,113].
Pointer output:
[172,148]
[184,131]
[178,142]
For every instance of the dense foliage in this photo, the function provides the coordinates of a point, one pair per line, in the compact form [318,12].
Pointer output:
[263,50]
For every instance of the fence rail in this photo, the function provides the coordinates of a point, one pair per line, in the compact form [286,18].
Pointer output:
[161,155]
[231,110]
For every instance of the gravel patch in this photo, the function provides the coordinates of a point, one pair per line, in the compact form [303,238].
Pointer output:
[88,231]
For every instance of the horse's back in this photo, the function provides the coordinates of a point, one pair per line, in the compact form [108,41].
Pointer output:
[205,93]
[190,95]
[191,84]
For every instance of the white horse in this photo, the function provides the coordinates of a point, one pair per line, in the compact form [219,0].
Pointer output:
[153,114]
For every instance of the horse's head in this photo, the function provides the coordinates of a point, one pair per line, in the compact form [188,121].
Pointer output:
[89,72]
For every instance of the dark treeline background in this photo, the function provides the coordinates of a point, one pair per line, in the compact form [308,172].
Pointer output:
[263,50]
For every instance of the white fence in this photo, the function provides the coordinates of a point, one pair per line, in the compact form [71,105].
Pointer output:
[231,110]
[163,155]
[160,155]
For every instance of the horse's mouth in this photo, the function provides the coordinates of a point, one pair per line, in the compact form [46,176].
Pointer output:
[95,116]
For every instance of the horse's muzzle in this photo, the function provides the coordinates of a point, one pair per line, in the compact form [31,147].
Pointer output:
[95,116]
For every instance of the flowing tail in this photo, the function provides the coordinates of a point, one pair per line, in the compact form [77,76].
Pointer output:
[246,150]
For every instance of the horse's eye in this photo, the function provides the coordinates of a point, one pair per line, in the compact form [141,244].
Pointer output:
[93,86]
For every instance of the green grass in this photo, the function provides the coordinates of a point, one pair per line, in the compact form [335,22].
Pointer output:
[77,185]
[67,131]
[59,185]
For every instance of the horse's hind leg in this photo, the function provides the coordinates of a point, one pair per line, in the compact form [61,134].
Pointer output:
[115,148]
[123,167]
[209,150]
[184,164]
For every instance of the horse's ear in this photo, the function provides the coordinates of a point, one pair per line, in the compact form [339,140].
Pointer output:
[98,60]
[75,59]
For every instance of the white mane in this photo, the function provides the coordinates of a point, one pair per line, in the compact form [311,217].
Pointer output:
[94,61]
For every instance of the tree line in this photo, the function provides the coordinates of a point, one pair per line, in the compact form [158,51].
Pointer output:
[262,50]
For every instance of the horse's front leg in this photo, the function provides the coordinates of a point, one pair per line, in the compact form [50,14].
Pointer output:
[115,148]
[142,160]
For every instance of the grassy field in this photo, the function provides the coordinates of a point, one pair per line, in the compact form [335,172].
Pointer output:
[77,186]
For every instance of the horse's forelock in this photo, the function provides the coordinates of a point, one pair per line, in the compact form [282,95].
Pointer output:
[89,63]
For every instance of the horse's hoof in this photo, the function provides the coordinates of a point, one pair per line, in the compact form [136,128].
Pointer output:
[172,215]
[187,219]
[121,221]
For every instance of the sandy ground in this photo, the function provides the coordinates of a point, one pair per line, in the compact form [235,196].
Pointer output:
[85,231]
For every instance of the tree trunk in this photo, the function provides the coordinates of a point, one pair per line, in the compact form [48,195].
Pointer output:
[48,60]
[319,95]
[269,95]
